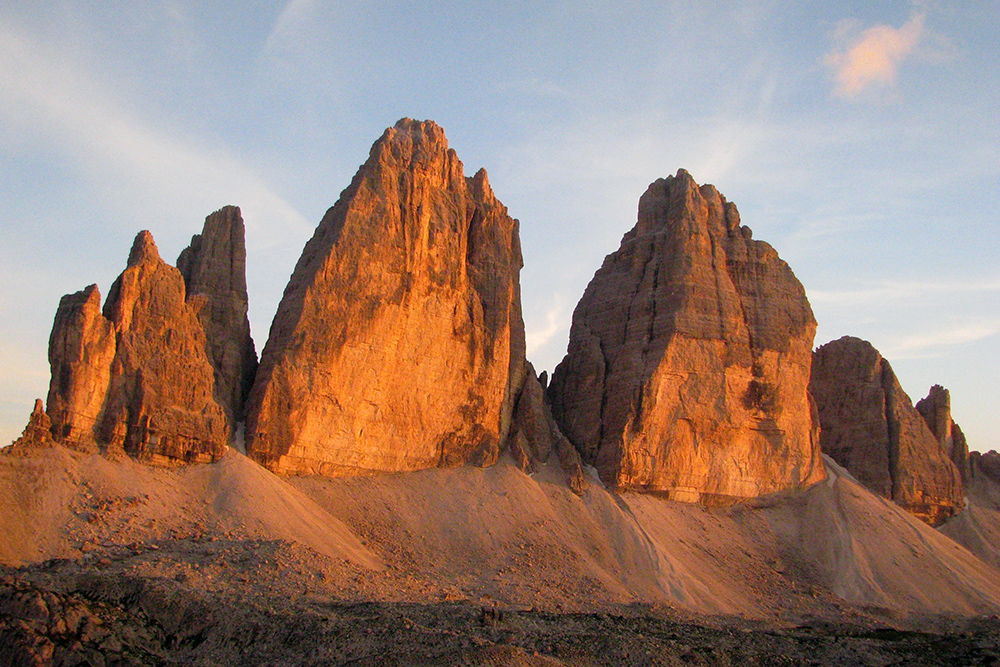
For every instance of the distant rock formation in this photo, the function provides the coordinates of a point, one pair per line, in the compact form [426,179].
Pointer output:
[137,377]
[935,408]
[399,343]
[689,358]
[870,427]
[986,464]
[214,270]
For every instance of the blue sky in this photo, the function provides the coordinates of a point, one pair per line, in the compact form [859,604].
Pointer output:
[860,139]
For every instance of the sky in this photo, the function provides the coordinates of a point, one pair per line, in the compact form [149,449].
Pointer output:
[860,139]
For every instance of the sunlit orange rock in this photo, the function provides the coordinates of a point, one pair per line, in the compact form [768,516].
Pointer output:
[935,408]
[137,377]
[214,270]
[399,343]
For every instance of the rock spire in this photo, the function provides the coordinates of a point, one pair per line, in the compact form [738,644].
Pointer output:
[138,377]
[935,408]
[399,343]
[689,356]
[214,270]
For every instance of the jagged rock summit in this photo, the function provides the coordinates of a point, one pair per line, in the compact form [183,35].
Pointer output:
[689,355]
[214,270]
[139,376]
[398,344]
[870,427]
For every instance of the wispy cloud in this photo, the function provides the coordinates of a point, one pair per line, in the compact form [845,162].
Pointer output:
[44,95]
[891,291]
[939,341]
[554,324]
[870,58]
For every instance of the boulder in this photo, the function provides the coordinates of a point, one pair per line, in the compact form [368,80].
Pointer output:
[137,376]
[689,356]
[399,343]
[870,427]
[214,270]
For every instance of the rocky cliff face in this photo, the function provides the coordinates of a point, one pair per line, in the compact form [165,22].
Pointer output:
[870,427]
[214,270]
[689,358]
[986,464]
[935,408]
[136,377]
[81,352]
[399,343]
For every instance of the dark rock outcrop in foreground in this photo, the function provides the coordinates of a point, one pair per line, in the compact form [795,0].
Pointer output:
[214,270]
[689,358]
[870,427]
[100,619]
[139,377]
[399,342]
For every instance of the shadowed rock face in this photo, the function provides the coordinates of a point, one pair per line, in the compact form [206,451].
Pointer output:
[689,358]
[214,270]
[987,464]
[399,343]
[136,377]
[870,427]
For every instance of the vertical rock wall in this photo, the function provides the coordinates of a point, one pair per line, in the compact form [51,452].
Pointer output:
[689,358]
[137,377]
[214,270]
[399,343]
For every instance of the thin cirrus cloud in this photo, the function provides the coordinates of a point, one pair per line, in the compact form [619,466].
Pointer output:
[44,95]
[872,58]
[938,342]
[894,292]
[538,338]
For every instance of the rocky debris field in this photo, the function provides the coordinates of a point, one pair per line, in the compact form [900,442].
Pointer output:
[107,610]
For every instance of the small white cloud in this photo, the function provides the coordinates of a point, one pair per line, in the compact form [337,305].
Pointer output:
[872,58]
[539,338]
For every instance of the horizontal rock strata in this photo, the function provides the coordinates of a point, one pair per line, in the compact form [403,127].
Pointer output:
[689,358]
